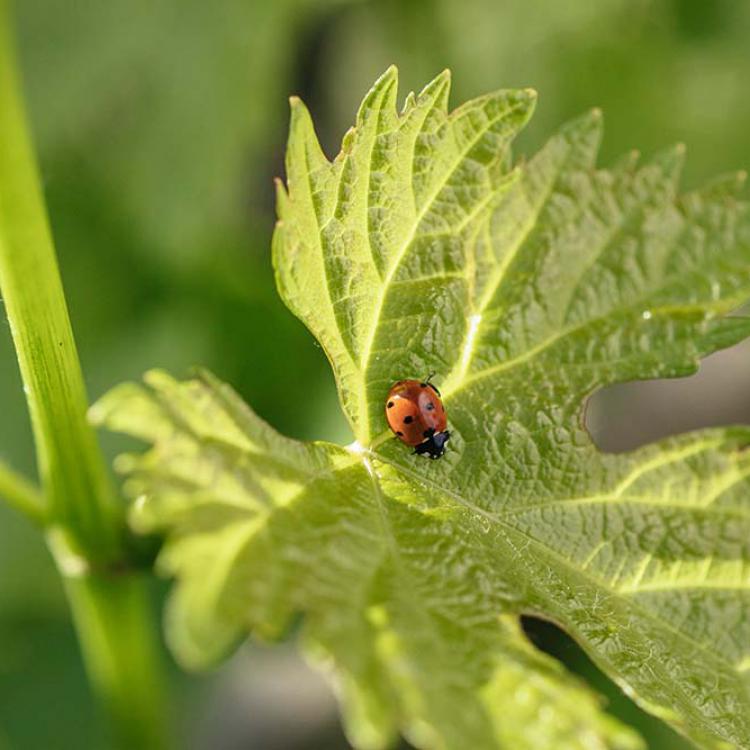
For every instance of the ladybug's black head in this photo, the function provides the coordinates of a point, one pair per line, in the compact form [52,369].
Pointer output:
[434,446]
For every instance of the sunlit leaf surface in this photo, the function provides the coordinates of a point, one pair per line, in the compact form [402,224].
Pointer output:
[422,248]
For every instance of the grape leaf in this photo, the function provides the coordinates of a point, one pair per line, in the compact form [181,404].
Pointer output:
[422,248]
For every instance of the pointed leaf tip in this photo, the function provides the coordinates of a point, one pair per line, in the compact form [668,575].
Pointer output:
[388,77]
[437,90]
[442,78]
[381,95]
[671,161]
[282,196]
[300,115]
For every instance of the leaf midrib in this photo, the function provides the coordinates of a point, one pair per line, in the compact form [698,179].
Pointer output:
[396,262]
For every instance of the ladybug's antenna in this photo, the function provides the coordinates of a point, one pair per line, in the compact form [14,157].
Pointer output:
[429,377]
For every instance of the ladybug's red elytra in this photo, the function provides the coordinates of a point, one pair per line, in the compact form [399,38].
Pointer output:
[416,414]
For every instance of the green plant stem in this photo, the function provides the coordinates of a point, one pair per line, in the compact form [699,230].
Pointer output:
[85,522]
[120,652]
[21,494]
[71,469]
[112,615]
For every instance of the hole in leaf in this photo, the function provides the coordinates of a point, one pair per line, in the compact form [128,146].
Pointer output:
[624,416]
[557,643]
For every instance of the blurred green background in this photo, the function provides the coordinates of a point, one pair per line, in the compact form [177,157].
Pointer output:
[160,124]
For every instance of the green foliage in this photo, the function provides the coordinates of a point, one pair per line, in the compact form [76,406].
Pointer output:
[419,248]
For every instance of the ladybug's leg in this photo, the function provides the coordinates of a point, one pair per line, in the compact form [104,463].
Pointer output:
[427,382]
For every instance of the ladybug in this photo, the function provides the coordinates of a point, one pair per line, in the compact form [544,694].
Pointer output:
[416,414]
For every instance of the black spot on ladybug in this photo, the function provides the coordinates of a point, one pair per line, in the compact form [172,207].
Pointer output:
[399,433]
[409,419]
[390,404]
[430,406]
